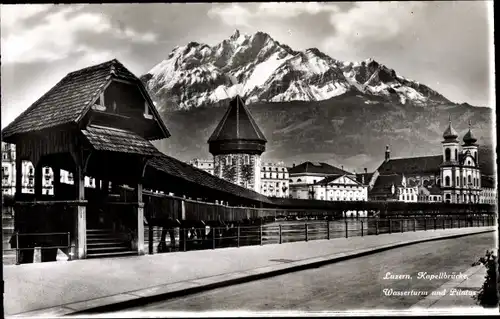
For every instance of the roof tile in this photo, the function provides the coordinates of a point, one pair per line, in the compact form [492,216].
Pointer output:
[237,124]
[317,168]
[116,140]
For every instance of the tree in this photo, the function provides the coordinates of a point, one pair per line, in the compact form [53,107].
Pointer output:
[488,294]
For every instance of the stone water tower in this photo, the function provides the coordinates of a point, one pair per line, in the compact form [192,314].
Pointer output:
[237,145]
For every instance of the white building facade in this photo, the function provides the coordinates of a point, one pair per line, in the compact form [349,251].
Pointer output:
[275,180]
[340,188]
[204,164]
[304,179]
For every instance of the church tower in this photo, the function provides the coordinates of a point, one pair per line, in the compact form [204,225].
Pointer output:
[450,168]
[237,145]
[470,168]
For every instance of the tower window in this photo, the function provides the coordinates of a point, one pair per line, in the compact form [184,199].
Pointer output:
[447,154]
[456,155]
[447,181]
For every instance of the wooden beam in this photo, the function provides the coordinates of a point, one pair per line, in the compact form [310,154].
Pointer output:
[38,179]
[19,175]
[57,180]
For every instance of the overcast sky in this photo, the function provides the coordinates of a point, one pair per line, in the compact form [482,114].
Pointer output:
[445,45]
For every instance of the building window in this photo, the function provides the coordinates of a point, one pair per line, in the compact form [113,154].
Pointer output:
[458,181]
[469,179]
[447,181]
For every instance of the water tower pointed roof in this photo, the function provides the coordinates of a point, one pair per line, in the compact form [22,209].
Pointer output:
[237,131]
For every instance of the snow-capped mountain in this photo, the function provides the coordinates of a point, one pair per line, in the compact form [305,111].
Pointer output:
[261,69]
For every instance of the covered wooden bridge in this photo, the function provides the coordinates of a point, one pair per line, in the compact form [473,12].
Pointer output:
[99,122]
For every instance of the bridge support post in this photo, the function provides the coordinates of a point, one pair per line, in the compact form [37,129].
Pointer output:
[346,230]
[328,229]
[401,224]
[213,237]
[376,227]
[414,224]
[361,228]
[307,233]
[444,222]
[280,235]
[81,214]
[435,223]
[238,236]
[390,226]
[184,233]
[140,221]
[425,223]
[150,238]
[260,234]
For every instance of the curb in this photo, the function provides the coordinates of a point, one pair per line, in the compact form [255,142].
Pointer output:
[174,290]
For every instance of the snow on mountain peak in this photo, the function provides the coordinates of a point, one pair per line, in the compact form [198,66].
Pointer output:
[235,35]
[261,69]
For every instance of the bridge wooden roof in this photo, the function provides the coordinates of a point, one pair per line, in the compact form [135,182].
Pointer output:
[70,99]
[191,174]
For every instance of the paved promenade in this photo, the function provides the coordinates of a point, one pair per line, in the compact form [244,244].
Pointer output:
[457,292]
[61,288]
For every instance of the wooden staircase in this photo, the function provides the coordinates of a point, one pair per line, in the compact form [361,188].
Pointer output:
[107,243]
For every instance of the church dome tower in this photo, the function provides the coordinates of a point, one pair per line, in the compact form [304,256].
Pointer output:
[470,164]
[237,144]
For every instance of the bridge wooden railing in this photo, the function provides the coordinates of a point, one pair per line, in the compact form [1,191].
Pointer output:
[167,206]
[185,239]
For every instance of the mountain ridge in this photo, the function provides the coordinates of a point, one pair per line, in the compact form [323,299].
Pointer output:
[261,69]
